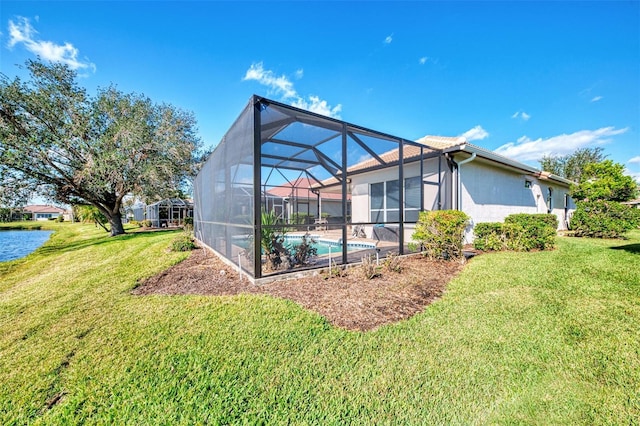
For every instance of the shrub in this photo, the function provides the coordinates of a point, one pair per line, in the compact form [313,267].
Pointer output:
[183,243]
[489,236]
[603,219]
[441,233]
[60,219]
[526,232]
[147,223]
[369,267]
[301,219]
[519,232]
[303,252]
[188,221]
[393,262]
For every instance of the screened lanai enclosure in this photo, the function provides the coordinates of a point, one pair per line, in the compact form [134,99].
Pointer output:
[278,164]
[169,212]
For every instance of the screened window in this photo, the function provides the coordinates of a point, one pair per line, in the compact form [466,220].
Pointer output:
[385,200]
[377,202]
[412,197]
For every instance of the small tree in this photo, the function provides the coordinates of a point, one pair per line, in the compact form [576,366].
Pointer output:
[599,213]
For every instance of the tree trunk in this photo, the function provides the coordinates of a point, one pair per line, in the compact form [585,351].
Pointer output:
[115,221]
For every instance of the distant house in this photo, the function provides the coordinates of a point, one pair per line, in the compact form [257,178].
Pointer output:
[43,212]
[300,198]
[169,212]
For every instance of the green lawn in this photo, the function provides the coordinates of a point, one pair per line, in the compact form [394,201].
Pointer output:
[518,338]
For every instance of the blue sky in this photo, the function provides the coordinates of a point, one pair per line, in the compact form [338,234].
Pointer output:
[521,78]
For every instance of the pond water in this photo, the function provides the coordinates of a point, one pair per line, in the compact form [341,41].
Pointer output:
[15,244]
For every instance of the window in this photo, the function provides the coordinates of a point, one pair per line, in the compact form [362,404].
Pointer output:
[412,198]
[385,200]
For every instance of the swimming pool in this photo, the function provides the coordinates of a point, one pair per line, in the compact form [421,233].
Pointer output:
[326,246]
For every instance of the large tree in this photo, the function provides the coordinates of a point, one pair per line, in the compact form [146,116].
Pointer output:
[81,149]
[571,166]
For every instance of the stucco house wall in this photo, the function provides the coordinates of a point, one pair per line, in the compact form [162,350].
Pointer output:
[491,193]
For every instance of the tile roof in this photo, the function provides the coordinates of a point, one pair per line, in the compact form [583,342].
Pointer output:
[301,188]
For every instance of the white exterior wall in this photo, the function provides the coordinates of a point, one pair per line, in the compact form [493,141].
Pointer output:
[489,194]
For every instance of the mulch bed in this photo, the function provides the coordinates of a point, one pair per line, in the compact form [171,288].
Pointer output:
[351,301]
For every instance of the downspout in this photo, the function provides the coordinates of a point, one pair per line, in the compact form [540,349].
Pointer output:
[459,178]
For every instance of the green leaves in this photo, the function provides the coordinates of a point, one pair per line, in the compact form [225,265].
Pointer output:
[441,233]
[571,166]
[604,181]
[93,149]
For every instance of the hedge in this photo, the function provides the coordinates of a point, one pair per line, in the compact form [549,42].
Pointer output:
[519,232]
[603,219]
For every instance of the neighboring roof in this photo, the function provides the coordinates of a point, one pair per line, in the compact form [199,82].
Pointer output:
[301,188]
[41,208]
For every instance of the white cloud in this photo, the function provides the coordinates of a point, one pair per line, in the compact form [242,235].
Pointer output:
[526,149]
[596,98]
[317,105]
[21,32]
[283,87]
[423,60]
[388,39]
[475,134]
[280,85]
[634,160]
[522,115]
[299,73]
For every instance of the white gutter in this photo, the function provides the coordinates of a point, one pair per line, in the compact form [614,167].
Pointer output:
[459,190]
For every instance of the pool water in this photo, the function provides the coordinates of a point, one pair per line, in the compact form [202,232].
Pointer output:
[327,246]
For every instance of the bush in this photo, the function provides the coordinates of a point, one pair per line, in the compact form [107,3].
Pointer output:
[519,232]
[603,219]
[183,243]
[147,223]
[369,267]
[188,221]
[526,232]
[441,233]
[393,262]
[489,237]
[60,219]
[303,252]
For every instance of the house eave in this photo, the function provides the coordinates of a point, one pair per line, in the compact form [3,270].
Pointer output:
[505,161]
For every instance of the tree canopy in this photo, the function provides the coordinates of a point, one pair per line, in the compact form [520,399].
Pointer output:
[92,150]
[604,181]
[571,166]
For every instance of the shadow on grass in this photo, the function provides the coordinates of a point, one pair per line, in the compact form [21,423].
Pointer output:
[631,248]
[65,247]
